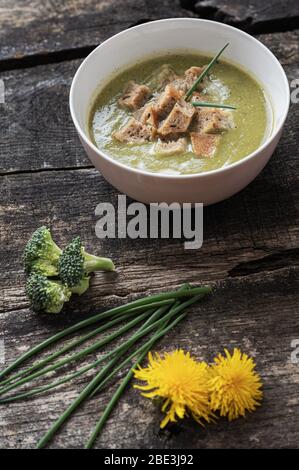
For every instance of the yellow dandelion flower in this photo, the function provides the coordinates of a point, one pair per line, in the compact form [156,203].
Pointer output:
[234,384]
[181,382]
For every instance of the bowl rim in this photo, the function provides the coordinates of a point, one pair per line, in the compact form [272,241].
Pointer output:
[225,168]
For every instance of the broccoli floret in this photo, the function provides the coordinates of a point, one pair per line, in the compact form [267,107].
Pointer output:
[75,264]
[46,294]
[41,253]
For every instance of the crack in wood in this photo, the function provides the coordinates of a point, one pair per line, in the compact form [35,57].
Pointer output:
[207,9]
[33,60]
[42,170]
[250,18]
[283,259]
[45,59]
[64,55]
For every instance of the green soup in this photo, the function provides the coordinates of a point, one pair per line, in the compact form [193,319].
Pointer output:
[228,84]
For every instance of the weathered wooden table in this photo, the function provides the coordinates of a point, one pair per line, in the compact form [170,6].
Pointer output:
[250,250]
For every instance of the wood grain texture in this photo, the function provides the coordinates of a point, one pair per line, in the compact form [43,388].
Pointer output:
[254,16]
[256,314]
[30,27]
[260,221]
[37,130]
[250,253]
[247,303]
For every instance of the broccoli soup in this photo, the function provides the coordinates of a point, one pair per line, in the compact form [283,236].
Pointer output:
[167,115]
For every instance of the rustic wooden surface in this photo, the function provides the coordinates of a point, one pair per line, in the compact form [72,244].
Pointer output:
[249,255]
[254,16]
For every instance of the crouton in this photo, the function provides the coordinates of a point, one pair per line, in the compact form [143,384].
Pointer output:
[165,75]
[178,120]
[180,84]
[167,100]
[184,83]
[212,120]
[196,97]
[204,145]
[148,115]
[134,96]
[171,147]
[194,71]
[134,132]
[192,74]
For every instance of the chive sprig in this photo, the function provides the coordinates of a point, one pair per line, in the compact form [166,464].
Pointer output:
[157,315]
[204,73]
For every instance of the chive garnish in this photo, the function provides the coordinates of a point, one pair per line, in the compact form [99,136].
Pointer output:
[204,73]
[158,314]
[204,104]
[145,302]
[118,351]
[120,390]
[102,373]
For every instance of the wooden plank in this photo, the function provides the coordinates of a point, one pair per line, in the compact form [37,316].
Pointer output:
[36,126]
[250,255]
[257,313]
[254,16]
[31,27]
[260,221]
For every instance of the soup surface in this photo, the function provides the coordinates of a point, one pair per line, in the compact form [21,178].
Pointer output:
[226,84]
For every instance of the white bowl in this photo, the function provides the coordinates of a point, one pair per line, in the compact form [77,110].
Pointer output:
[166,36]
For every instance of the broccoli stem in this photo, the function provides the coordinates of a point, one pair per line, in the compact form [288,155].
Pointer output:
[95,263]
[56,250]
[81,287]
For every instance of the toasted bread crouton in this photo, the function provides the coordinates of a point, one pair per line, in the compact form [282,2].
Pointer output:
[180,84]
[192,74]
[165,75]
[204,145]
[184,83]
[178,120]
[148,115]
[194,71]
[196,97]
[170,147]
[212,120]
[167,100]
[134,96]
[134,132]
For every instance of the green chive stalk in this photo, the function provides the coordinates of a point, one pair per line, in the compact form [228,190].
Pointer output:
[101,316]
[74,344]
[78,355]
[88,350]
[205,104]
[93,384]
[143,351]
[204,73]
[81,371]
[146,345]
[91,349]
